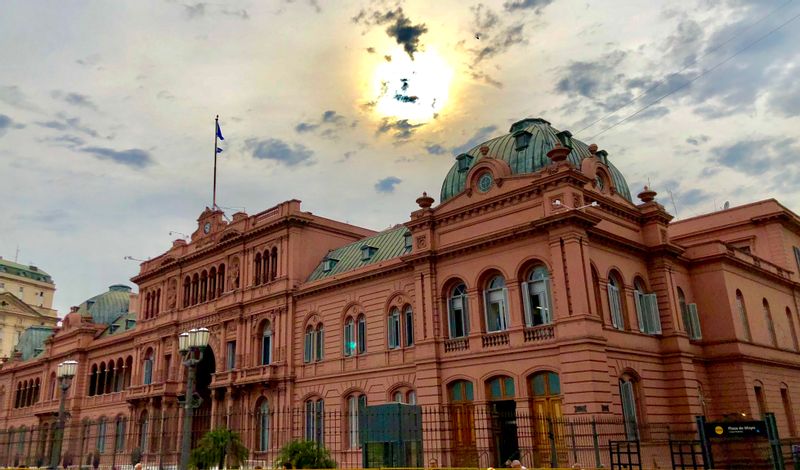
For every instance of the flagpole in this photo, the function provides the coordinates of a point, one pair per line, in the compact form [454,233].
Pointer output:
[216,126]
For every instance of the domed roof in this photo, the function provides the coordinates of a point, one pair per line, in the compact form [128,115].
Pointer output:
[528,159]
[108,306]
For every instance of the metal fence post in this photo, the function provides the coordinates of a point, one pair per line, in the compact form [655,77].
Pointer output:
[596,443]
[552,436]
[704,444]
[774,441]
[572,436]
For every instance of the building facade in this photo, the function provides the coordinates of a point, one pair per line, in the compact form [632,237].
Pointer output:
[537,287]
[26,299]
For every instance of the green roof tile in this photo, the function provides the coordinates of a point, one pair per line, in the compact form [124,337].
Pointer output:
[388,244]
[31,341]
[31,272]
[108,306]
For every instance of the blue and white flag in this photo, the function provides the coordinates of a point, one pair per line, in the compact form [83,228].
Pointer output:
[219,150]
[219,133]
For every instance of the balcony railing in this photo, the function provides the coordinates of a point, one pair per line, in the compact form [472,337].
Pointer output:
[539,333]
[456,344]
[495,339]
[263,373]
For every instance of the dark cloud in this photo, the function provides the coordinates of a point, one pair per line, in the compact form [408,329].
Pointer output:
[698,139]
[387,185]
[499,44]
[195,11]
[7,123]
[400,27]
[481,135]
[280,151]
[534,5]
[328,124]
[13,96]
[400,129]
[134,158]
[757,156]
[590,78]
[75,99]
[305,127]
[333,117]
[64,122]
[435,149]
[64,140]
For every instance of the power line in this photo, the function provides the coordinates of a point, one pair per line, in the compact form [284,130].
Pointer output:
[693,62]
[705,72]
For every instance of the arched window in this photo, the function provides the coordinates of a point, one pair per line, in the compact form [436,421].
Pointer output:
[457,316]
[36,388]
[203,286]
[598,303]
[128,372]
[212,283]
[545,392]
[361,333]
[119,434]
[684,310]
[187,291]
[615,302]
[221,280]
[101,379]
[265,270]
[148,367]
[393,328]
[266,343]
[356,402]
[308,345]
[320,343]
[496,305]
[770,325]
[110,375]
[628,392]
[788,410]
[274,264]
[143,431]
[147,305]
[792,329]
[93,381]
[537,298]
[158,301]
[257,269]
[411,397]
[500,388]
[646,309]
[119,376]
[101,435]
[18,395]
[263,426]
[315,422]
[397,397]
[52,383]
[743,315]
[349,337]
[195,288]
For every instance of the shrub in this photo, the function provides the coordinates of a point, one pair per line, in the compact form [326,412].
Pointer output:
[136,456]
[214,446]
[304,454]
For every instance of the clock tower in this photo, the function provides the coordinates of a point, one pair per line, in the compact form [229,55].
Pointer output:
[209,222]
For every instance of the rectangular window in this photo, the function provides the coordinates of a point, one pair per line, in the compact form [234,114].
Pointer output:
[148,371]
[496,310]
[230,355]
[266,349]
[319,435]
[167,364]
[310,421]
[647,312]
[797,257]
[409,321]
[693,325]
[537,303]
[101,436]
[119,436]
[394,329]
[320,346]
[787,409]
[352,421]
[615,305]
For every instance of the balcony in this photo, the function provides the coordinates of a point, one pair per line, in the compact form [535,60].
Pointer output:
[491,340]
[223,379]
[140,392]
[456,344]
[539,333]
[257,374]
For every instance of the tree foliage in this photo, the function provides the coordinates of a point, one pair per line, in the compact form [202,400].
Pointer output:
[304,454]
[214,446]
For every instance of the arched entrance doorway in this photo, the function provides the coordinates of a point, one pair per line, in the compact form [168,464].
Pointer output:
[202,415]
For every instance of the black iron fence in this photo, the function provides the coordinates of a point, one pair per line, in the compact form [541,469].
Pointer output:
[453,436]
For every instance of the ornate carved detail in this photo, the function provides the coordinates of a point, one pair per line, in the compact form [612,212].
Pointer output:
[422,241]
[233,274]
[172,293]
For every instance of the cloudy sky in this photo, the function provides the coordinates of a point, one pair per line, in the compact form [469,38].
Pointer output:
[355,107]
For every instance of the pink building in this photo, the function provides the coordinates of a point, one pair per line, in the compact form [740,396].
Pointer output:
[536,288]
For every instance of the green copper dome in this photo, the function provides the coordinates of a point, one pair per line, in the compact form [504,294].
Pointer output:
[534,137]
[108,306]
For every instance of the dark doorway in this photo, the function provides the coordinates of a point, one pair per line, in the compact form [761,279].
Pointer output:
[202,415]
[504,431]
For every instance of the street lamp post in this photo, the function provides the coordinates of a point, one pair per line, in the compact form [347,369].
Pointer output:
[191,345]
[66,371]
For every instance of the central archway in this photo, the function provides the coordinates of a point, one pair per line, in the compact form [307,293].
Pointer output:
[202,415]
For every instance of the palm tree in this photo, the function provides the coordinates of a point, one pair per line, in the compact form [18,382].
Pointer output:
[304,454]
[214,446]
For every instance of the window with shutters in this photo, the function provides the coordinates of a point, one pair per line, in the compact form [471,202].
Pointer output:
[349,337]
[408,319]
[627,394]
[315,420]
[393,328]
[319,347]
[458,319]
[496,305]
[693,329]
[615,302]
[308,345]
[537,298]
[646,309]
[362,333]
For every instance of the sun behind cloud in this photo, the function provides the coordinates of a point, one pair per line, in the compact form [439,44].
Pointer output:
[416,90]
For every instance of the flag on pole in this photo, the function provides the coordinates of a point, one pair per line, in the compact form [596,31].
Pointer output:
[219,150]
[219,133]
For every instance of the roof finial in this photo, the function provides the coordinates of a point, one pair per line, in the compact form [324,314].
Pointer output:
[647,194]
[425,201]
